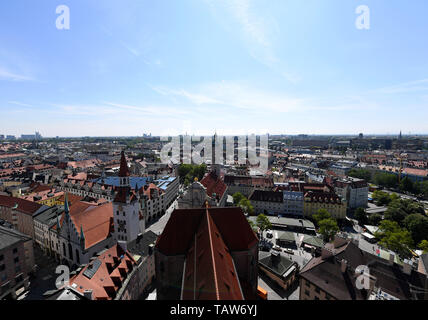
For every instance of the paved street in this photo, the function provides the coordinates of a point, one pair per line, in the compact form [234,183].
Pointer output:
[159,225]
[44,279]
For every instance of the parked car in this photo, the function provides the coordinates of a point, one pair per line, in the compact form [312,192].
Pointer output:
[277,248]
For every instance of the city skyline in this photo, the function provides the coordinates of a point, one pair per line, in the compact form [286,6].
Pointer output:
[234,67]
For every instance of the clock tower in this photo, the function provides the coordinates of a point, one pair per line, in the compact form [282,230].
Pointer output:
[128,220]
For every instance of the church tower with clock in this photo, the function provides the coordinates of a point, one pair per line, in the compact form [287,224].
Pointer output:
[128,220]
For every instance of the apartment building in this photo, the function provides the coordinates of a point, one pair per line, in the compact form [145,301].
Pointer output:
[16,261]
[345,272]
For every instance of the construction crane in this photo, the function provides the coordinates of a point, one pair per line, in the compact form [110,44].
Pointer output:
[399,157]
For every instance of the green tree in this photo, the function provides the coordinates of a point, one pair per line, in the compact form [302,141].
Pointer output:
[417,224]
[321,214]
[394,238]
[246,206]
[361,174]
[361,216]
[188,172]
[423,246]
[374,219]
[423,187]
[263,223]
[406,185]
[237,197]
[328,228]
[384,179]
[381,198]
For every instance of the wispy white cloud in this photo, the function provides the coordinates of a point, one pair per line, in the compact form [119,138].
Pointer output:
[406,87]
[20,104]
[236,97]
[259,32]
[11,76]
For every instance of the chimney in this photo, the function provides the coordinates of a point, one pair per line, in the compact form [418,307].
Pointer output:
[88,294]
[343,265]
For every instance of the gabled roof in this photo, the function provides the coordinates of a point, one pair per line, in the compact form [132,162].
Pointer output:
[95,220]
[326,273]
[210,273]
[183,223]
[28,207]
[104,271]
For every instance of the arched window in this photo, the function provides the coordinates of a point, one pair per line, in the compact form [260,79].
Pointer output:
[63,249]
[77,256]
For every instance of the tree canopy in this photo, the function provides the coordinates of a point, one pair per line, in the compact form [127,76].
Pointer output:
[361,216]
[188,172]
[393,237]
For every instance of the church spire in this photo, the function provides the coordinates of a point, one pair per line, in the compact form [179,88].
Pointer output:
[66,207]
[123,171]
[82,235]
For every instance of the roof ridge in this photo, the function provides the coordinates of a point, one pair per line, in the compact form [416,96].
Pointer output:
[212,253]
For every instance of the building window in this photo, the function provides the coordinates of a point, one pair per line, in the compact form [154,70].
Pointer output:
[2,267]
[317,290]
[15,251]
[1,257]
[307,293]
[16,260]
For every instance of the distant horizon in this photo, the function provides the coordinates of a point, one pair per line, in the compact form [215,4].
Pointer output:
[270,134]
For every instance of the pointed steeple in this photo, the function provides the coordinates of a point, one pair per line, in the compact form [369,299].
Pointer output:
[82,235]
[58,226]
[123,171]
[66,207]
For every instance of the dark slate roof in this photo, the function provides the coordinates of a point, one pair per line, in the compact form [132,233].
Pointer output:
[140,246]
[50,215]
[276,264]
[326,273]
[9,237]
[424,259]
[313,241]
[286,236]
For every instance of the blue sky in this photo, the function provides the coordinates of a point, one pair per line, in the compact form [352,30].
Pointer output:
[235,66]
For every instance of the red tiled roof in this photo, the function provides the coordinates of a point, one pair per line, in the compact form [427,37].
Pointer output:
[25,206]
[182,226]
[214,184]
[95,220]
[102,285]
[209,273]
